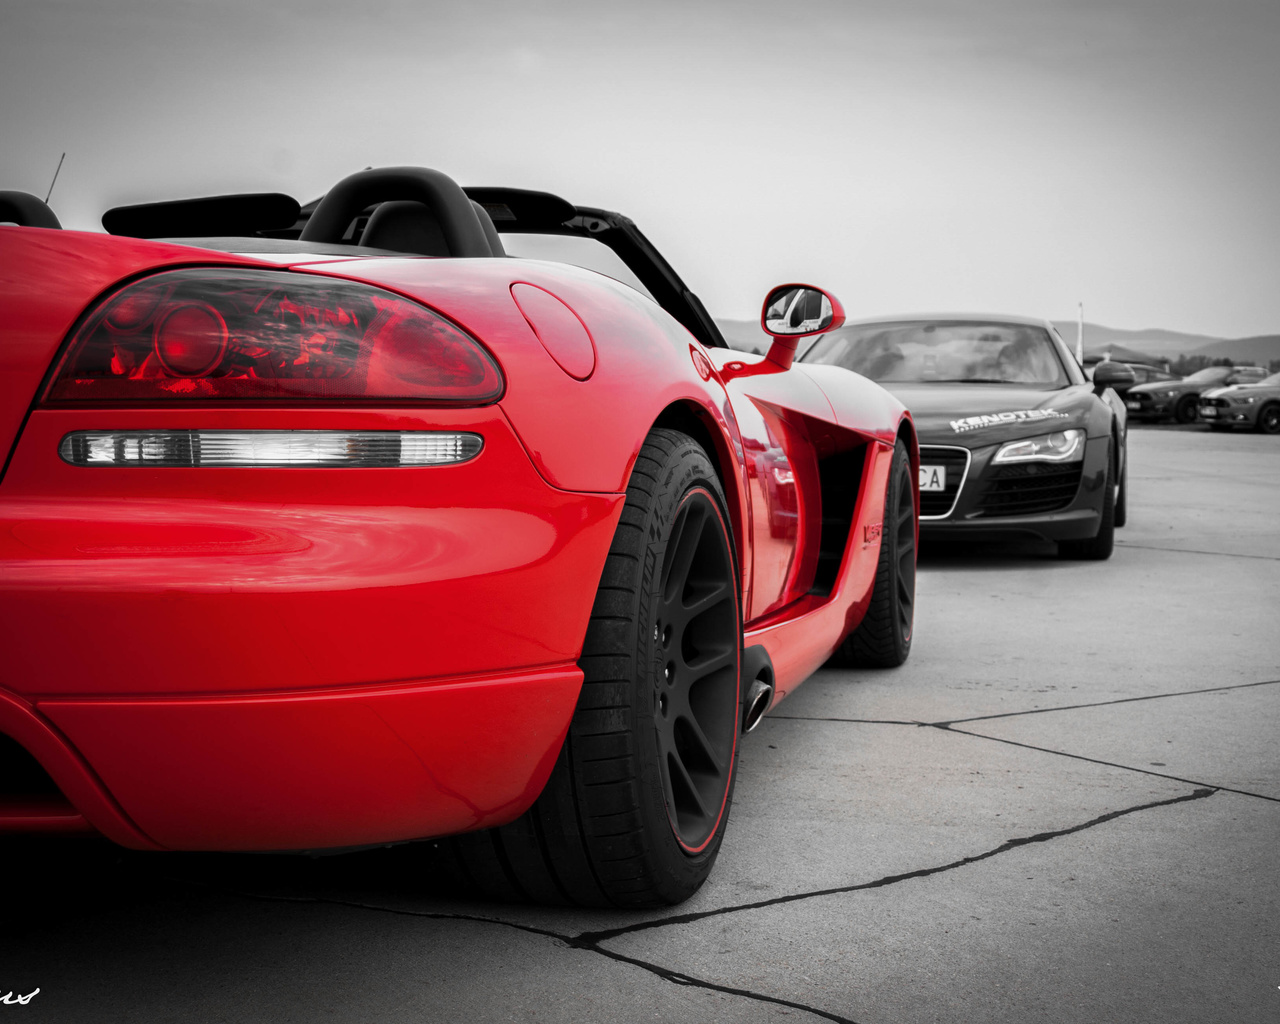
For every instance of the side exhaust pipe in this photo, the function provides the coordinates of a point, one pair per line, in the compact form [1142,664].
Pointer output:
[757,695]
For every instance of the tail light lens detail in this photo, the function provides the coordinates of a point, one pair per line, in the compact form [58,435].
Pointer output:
[279,448]
[216,334]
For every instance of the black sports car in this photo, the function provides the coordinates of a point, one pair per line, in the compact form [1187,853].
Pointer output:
[1013,437]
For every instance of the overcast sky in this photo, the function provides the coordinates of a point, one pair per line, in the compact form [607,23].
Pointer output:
[1005,155]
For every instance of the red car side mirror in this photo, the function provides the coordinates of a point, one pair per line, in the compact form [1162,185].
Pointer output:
[795,311]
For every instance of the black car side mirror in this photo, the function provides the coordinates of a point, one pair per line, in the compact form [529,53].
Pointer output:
[795,311]
[1112,375]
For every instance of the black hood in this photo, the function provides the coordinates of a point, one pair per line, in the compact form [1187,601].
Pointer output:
[978,414]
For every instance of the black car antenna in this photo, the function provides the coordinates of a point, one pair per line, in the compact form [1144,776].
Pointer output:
[55,178]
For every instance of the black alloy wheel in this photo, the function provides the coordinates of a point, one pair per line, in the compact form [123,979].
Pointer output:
[883,638]
[637,804]
[1269,419]
[696,690]
[1185,410]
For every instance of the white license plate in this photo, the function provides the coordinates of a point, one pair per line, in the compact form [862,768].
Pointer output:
[1133,405]
[1208,411]
[933,478]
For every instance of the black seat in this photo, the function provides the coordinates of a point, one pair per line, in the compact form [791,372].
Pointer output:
[409,226]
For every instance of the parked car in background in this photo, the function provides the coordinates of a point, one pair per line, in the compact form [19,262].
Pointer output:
[1256,406]
[1013,438]
[1180,399]
[1145,373]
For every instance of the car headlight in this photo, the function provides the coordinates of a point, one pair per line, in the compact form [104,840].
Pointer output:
[1242,400]
[1167,394]
[1060,446]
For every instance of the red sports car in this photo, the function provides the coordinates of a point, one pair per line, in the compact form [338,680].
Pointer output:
[334,526]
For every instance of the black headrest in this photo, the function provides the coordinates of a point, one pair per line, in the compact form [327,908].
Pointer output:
[405,226]
[26,210]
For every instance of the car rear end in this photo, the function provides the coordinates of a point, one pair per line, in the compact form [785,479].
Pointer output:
[276,571]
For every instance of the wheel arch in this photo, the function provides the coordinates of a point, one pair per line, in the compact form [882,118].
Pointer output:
[690,417]
[907,433]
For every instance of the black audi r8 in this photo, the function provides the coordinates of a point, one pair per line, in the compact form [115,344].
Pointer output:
[1013,437]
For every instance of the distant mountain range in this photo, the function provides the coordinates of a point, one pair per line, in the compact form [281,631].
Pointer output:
[1151,345]
[1155,344]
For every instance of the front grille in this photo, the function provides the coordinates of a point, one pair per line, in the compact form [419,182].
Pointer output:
[1027,488]
[937,504]
[1141,397]
[1218,403]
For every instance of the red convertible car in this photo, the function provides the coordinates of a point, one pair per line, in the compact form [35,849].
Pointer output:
[337,526]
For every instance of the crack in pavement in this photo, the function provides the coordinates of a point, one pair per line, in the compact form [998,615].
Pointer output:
[581,941]
[590,941]
[855,721]
[684,979]
[879,883]
[947,723]
[1104,703]
[1109,764]
[1197,551]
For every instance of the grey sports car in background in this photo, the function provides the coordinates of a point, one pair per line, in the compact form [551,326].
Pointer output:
[1013,437]
[1244,405]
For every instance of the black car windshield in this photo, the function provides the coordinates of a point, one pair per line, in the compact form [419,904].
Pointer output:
[1210,373]
[937,351]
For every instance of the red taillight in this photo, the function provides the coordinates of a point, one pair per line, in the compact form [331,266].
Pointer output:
[191,340]
[262,334]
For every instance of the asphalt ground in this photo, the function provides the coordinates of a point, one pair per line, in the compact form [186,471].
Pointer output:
[1065,807]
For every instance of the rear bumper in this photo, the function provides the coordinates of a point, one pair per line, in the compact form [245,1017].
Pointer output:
[265,659]
[274,771]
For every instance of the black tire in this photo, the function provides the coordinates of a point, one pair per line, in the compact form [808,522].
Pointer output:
[883,638]
[636,807]
[1122,492]
[1100,545]
[1269,419]
[1185,410]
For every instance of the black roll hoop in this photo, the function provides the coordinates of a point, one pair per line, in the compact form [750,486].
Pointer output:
[437,191]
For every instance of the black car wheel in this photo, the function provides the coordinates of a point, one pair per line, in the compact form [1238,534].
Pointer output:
[1269,419]
[1185,410]
[883,638]
[1100,545]
[635,810]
